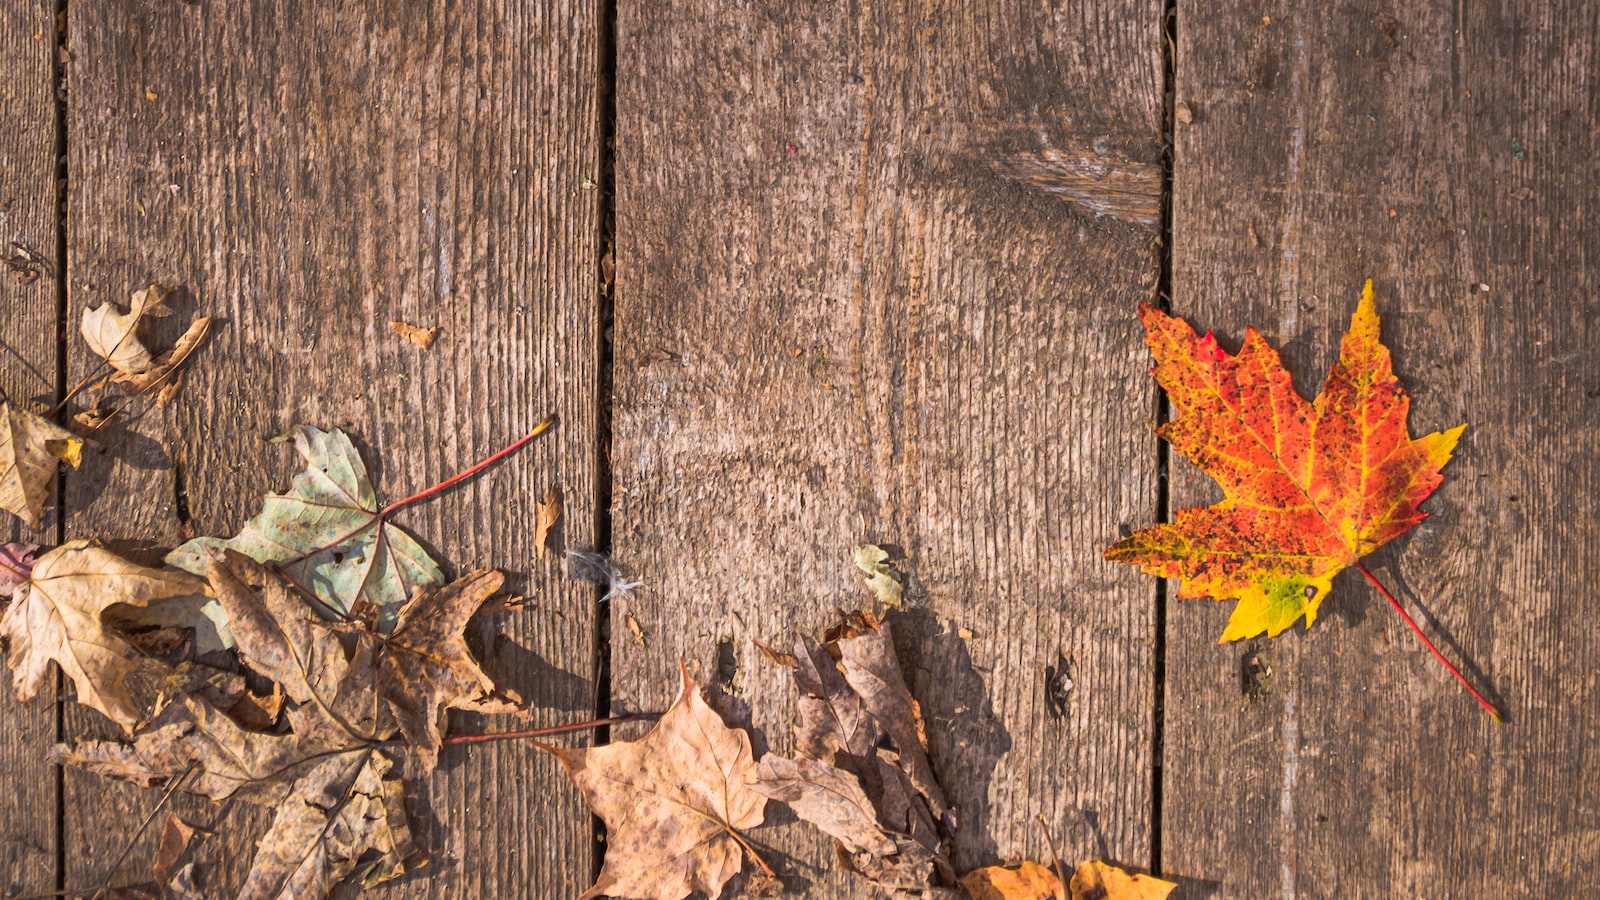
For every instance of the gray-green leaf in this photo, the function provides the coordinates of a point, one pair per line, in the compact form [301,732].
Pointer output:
[325,535]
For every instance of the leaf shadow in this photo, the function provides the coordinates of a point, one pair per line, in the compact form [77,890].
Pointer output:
[112,446]
[966,740]
[1192,888]
[1348,600]
[516,667]
[1436,630]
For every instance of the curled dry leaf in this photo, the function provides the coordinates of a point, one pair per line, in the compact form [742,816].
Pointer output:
[673,802]
[275,631]
[175,837]
[30,449]
[113,335]
[57,616]
[882,579]
[327,536]
[858,721]
[422,337]
[166,369]
[828,798]
[548,515]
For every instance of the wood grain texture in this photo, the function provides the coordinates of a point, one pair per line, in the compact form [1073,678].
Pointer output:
[28,379]
[310,172]
[846,313]
[1446,150]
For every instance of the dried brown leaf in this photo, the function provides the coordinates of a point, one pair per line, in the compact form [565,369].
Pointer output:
[828,798]
[673,802]
[28,464]
[175,837]
[257,712]
[774,655]
[549,514]
[422,337]
[337,811]
[327,779]
[857,717]
[427,667]
[166,367]
[58,616]
[113,335]
[276,632]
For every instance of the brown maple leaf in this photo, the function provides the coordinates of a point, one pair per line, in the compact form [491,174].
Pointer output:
[274,629]
[58,615]
[426,667]
[113,334]
[338,807]
[673,802]
[858,722]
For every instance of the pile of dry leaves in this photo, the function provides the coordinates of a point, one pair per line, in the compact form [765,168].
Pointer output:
[346,650]
[306,664]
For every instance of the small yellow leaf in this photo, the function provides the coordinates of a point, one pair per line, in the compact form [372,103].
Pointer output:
[1029,881]
[69,451]
[422,337]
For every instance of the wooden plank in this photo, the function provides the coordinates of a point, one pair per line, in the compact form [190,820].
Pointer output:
[1446,150]
[866,293]
[310,172]
[28,379]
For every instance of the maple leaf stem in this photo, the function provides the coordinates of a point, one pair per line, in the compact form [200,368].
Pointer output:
[1061,872]
[548,423]
[138,832]
[542,732]
[1373,580]
[732,832]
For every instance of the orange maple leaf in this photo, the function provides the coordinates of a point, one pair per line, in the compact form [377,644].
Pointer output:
[1310,486]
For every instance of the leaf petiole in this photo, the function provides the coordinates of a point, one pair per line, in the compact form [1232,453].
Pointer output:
[1373,580]
[543,732]
[548,423]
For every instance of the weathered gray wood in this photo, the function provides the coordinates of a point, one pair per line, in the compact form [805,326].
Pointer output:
[1447,150]
[865,292]
[28,379]
[309,172]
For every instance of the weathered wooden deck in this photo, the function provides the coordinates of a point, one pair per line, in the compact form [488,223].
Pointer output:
[876,267]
